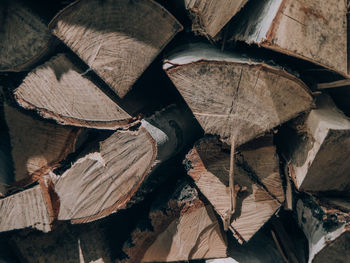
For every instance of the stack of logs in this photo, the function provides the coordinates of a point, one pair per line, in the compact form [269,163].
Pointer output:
[167,131]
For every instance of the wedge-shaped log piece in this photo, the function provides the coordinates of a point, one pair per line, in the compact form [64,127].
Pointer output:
[66,243]
[326,226]
[313,30]
[24,38]
[37,146]
[105,180]
[58,90]
[208,163]
[182,227]
[234,96]
[118,39]
[26,209]
[210,16]
[319,153]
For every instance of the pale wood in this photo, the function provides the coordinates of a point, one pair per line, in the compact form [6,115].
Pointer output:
[234,96]
[183,228]
[208,165]
[334,84]
[26,209]
[106,180]
[58,90]
[37,146]
[313,30]
[326,228]
[88,243]
[24,38]
[118,39]
[319,155]
[210,16]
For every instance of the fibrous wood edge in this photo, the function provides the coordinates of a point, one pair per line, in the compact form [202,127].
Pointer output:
[208,165]
[312,30]
[83,243]
[25,39]
[106,180]
[326,228]
[231,95]
[182,227]
[120,44]
[210,16]
[58,90]
[38,146]
[26,209]
[319,155]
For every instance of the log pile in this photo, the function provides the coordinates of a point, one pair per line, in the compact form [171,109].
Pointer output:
[174,131]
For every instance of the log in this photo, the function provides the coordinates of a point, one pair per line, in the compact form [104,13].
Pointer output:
[312,30]
[38,146]
[318,150]
[326,228]
[83,243]
[107,179]
[257,179]
[116,38]
[58,90]
[26,209]
[24,37]
[210,16]
[262,96]
[182,227]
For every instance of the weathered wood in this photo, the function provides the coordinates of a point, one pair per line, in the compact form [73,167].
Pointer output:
[326,228]
[319,151]
[58,90]
[234,96]
[182,227]
[78,244]
[116,38]
[313,30]
[37,146]
[24,38]
[105,180]
[210,16]
[256,176]
[26,209]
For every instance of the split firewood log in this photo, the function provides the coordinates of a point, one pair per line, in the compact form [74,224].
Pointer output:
[66,243]
[313,30]
[210,16]
[118,39]
[319,149]
[24,38]
[107,179]
[59,90]
[37,146]
[259,186]
[233,96]
[182,227]
[325,223]
[30,208]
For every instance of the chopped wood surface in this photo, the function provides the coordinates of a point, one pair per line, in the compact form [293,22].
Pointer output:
[319,153]
[210,16]
[118,39]
[24,38]
[313,30]
[26,209]
[58,90]
[37,145]
[182,228]
[208,165]
[249,97]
